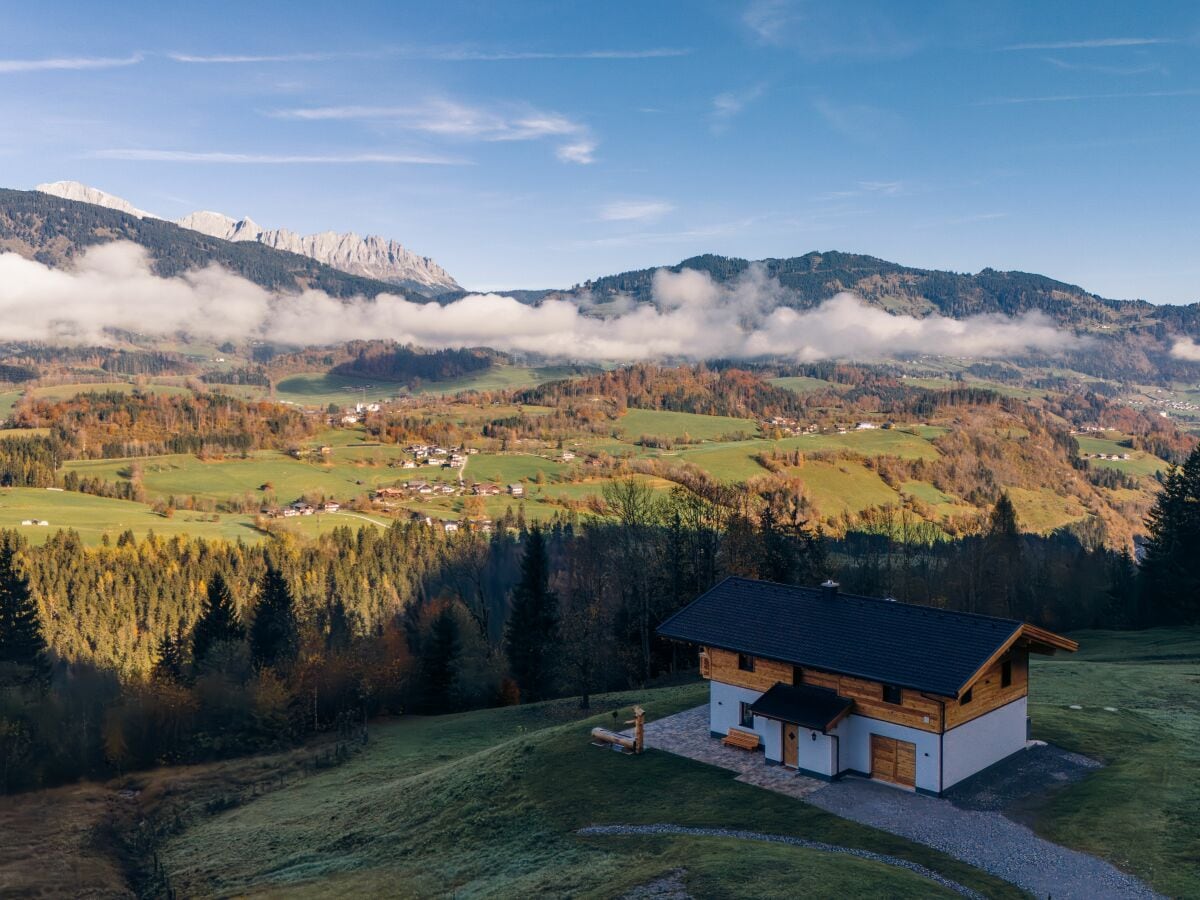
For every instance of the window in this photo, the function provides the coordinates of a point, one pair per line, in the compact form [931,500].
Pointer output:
[967,697]
[747,717]
[893,694]
[797,676]
[745,662]
[1006,673]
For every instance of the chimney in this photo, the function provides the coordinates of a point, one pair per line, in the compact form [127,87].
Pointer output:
[830,589]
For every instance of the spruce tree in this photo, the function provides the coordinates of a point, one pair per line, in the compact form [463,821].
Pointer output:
[274,636]
[23,658]
[531,635]
[1171,569]
[439,664]
[171,663]
[218,622]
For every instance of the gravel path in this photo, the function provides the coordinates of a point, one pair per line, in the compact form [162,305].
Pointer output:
[790,841]
[985,839]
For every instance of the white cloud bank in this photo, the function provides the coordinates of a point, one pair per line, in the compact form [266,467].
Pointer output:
[1186,349]
[113,287]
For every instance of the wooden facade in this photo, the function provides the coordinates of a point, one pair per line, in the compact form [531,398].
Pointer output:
[915,709]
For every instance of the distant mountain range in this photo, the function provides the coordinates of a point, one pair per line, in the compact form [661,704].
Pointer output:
[376,258]
[1134,338]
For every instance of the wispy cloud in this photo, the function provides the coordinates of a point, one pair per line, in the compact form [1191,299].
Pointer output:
[582,152]
[68,63]
[1106,70]
[461,53]
[469,54]
[1091,43]
[1075,98]
[869,188]
[144,155]
[860,122]
[816,31]
[634,210]
[236,59]
[453,120]
[729,104]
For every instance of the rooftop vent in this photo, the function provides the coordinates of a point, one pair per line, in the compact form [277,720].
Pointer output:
[830,589]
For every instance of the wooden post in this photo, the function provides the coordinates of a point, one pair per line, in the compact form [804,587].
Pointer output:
[639,729]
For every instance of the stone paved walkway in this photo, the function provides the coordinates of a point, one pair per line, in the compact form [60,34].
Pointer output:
[982,837]
[686,734]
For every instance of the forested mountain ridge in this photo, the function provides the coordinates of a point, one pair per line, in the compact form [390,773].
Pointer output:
[814,277]
[54,230]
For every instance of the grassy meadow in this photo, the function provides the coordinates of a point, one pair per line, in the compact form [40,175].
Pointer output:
[487,803]
[95,517]
[1138,692]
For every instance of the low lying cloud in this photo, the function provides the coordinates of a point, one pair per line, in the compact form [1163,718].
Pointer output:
[113,287]
[1186,349]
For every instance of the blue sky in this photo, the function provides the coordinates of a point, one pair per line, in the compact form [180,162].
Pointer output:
[541,143]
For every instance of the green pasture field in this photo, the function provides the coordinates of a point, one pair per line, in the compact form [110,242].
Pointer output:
[487,803]
[94,517]
[497,378]
[1139,463]
[321,389]
[1043,511]
[8,402]
[661,423]
[802,384]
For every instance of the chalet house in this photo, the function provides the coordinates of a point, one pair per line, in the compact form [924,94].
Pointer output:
[830,683]
[517,489]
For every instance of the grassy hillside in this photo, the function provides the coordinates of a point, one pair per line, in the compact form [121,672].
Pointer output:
[486,804]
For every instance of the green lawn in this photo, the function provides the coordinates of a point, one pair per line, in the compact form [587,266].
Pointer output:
[93,517]
[321,389]
[497,378]
[802,384]
[845,486]
[1042,511]
[506,468]
[487,803]
[1142,811]
[660,423]
[345,474]
[1139,463]
[8,401]
[872,442]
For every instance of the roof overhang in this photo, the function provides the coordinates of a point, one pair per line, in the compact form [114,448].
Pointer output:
[805,705]
[1037,640]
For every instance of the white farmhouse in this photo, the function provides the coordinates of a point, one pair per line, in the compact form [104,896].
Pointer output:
[828,683]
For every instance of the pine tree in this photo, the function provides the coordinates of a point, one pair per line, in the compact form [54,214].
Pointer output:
[171,663]
[439,663]
[531,635]
[1171,569]
[1003,563]
[23,658]
[218,622]
[274,637]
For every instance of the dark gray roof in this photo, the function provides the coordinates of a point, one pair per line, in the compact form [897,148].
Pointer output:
[808,706]
[918,647]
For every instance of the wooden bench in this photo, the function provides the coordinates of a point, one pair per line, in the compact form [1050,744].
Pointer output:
[741,740]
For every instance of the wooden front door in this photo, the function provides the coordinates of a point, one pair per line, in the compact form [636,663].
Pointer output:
[893,760]
[791,750]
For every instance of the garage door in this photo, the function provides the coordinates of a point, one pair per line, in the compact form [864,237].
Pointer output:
[893,760]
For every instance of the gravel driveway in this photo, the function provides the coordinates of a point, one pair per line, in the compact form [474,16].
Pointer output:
[985,839]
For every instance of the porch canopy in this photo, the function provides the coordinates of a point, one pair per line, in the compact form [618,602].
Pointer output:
[804,705]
